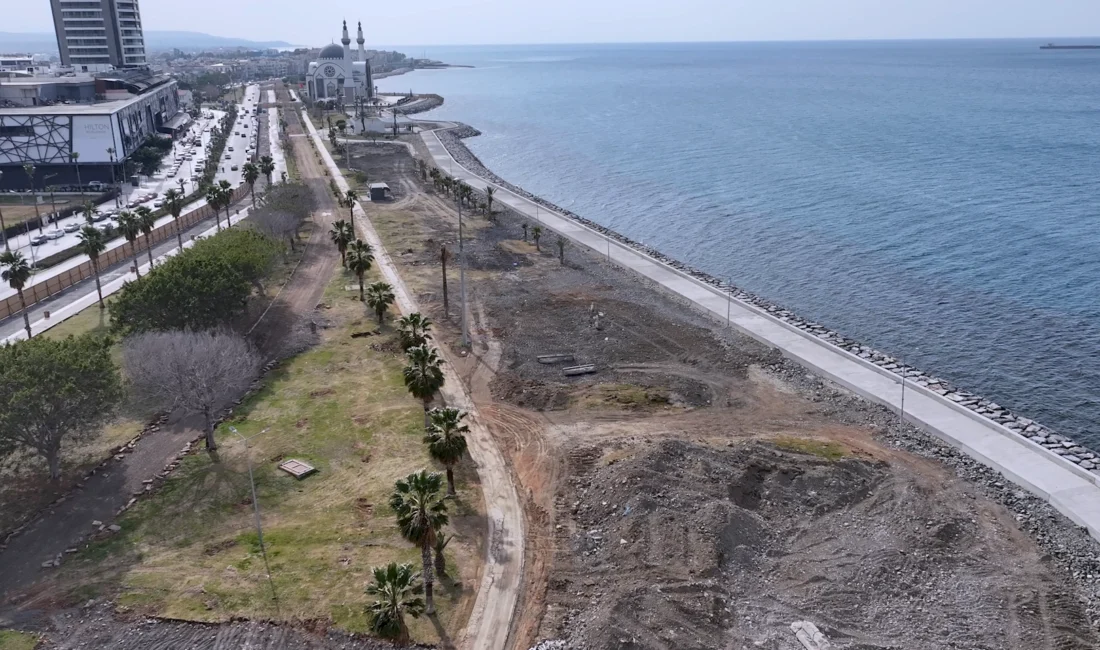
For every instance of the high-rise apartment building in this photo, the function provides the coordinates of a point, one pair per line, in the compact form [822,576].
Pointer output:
[93,34]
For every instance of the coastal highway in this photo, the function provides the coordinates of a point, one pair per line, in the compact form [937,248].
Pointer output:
[158,184]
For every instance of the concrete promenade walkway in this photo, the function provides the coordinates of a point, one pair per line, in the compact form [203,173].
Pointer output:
[1073,491]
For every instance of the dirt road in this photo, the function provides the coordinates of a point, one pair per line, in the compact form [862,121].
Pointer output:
[491,618]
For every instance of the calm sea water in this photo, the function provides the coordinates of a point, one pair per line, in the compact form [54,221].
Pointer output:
[937,200]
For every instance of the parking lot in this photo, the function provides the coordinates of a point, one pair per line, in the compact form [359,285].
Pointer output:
[181,169]
[175,168]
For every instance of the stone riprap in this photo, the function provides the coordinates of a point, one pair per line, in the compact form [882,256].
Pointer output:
[1055,443]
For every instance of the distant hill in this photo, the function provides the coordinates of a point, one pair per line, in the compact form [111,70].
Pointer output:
[46,43]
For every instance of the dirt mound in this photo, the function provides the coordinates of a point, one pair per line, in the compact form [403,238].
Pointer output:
[682,546]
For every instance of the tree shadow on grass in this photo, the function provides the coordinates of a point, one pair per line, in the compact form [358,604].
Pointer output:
[444,638]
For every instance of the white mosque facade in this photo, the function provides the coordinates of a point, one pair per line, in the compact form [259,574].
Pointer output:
[339,73]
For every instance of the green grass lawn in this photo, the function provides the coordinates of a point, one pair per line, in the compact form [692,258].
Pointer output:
[13,640]
[191,550]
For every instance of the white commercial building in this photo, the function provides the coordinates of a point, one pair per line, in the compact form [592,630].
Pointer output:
[101,135]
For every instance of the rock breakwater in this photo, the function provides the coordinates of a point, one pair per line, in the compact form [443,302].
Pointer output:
[1053,442]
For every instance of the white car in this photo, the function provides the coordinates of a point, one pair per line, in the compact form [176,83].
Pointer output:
[73,227]
[55,234]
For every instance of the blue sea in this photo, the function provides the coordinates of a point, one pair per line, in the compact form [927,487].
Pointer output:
[939,201]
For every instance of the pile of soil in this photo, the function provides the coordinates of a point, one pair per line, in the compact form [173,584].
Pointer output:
[684,546]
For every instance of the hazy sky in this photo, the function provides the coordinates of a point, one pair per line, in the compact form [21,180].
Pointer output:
[434,22]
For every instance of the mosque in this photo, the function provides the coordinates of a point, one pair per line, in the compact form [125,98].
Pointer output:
[340,73]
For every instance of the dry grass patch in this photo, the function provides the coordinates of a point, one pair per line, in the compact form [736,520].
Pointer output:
[813,447]
[191,551]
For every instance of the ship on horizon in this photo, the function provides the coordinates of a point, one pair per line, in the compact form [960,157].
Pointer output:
[1052,46]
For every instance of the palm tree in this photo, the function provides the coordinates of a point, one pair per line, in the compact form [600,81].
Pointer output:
[147,221]
[398,593]
[173,202]
[445,440]
[226,190]
[89,212]
[413,330]
[379,298]
[423,375]
[130,227]
[359,260]
[423,166]
[267,167]
[489,192]
[214,200]
[342,235]
[92,244]
[350,197]
[421,513]
[75,157]
[561,249]
[536,233]
[16,273]
[441,542]
[251,175]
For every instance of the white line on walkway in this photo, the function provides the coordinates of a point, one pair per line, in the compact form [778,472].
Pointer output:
[1072,490]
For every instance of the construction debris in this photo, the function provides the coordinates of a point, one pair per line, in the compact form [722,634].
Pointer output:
[809,636]
[563,357]
[572,371]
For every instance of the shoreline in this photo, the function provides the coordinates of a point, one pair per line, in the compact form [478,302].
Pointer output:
[1085,459]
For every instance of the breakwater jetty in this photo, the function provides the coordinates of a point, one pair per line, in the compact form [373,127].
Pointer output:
[1050,465]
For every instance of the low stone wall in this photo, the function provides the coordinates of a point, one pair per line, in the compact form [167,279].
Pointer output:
[1056,443]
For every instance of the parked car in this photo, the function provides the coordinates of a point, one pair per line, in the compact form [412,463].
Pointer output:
[38,240]
[99,216]
[73,227]
[159,203]
[55,234]
[234,168]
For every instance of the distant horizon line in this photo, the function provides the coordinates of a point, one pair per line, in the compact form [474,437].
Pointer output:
[1044,39]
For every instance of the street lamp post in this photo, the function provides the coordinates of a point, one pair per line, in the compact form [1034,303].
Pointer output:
[114,178]
[462,277]
[3,227]
[256,512]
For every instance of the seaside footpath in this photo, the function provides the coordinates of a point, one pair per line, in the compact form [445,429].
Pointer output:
[1026,454]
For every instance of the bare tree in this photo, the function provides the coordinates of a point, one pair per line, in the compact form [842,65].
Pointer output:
[190,371]
[279,224]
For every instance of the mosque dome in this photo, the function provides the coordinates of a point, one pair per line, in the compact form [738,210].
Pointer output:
[332,51]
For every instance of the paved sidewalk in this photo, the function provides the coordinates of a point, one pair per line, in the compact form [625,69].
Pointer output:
[1072,490]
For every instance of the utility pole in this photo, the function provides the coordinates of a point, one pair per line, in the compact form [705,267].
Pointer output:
[256,511]
[462,277]
[3,227]
[729,299]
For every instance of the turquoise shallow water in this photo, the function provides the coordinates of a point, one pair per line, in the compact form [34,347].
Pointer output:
[936,200]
